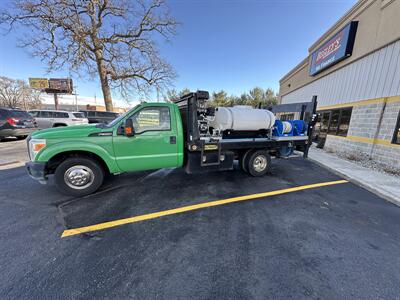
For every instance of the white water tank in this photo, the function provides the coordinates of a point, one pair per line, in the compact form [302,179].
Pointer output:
[242,118]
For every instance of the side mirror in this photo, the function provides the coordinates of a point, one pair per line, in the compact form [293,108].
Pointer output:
[129,130]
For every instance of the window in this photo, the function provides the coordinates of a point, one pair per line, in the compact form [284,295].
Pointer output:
[46,114]
[34,114]
[334,122]
[105,114]
[344,121]
[152,119]
[79,115]
[325,121]
[287,117]
[110,115]
[61,115]
[396,135]
[19,114]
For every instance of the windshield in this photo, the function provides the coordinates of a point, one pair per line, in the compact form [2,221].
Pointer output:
[116,121]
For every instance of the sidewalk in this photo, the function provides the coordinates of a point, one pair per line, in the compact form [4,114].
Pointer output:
[382,184]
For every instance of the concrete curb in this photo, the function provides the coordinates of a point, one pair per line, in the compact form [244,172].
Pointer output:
[364,185]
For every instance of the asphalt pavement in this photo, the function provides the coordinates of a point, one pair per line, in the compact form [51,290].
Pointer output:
[330,242]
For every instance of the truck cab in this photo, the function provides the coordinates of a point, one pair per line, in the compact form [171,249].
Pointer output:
[149,136]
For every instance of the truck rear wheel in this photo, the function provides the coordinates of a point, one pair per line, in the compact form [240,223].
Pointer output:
[258,163]
[243,161]
[78,176]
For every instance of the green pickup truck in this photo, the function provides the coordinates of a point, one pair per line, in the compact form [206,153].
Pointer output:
[149,136]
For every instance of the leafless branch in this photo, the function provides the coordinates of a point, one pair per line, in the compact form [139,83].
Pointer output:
[114,39]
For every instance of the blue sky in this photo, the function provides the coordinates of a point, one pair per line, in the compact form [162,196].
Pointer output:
[221,44]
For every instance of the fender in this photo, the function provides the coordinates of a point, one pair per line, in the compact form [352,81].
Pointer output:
[50,151]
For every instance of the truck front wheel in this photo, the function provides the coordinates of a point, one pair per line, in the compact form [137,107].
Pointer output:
[78,176]
[258,163]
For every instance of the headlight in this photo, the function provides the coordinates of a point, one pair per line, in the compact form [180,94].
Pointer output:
[35,145]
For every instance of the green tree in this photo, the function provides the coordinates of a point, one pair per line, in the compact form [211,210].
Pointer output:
[254,97]
[220,99]
[271,98]
[259,96]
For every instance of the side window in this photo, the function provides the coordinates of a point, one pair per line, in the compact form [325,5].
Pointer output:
[396,136]
[46,114]
[61,115]
[152,119]
[91,114]
[34,114]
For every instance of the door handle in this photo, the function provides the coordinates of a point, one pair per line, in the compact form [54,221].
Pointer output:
[172,139]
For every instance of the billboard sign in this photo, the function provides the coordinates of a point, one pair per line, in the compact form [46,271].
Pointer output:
[60,85]
[39,83]
[339,47]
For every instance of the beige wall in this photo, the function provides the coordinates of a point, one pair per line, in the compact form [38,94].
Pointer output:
[379,25]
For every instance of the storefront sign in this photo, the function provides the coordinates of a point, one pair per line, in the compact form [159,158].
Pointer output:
[336,49]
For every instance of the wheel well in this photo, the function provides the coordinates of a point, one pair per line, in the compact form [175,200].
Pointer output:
[58,158]
[59,124]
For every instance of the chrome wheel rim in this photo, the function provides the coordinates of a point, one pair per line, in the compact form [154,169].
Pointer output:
[79,177]
[260,163]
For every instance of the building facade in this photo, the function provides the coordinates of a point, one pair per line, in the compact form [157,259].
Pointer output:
[354,70]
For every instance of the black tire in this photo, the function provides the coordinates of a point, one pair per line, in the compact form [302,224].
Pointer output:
[59,125]
[83,166]
[320,143]
[21,137]
[258,163]
[243,161]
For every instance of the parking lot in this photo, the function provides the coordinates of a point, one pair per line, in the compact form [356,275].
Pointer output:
[323,241]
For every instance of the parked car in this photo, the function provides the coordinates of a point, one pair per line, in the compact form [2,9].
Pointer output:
[16,123]
[100,116]
[57,118]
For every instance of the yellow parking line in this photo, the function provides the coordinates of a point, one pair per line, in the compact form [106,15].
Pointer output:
[105,225]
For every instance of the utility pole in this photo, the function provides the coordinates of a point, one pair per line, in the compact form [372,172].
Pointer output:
[76,98]
[55,101]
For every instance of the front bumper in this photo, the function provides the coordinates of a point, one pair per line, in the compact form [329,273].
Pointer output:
[37,170]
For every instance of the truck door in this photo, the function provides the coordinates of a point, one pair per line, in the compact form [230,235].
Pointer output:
[154,144]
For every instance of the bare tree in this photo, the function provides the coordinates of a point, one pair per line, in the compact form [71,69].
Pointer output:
[16,93]
[113,39]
